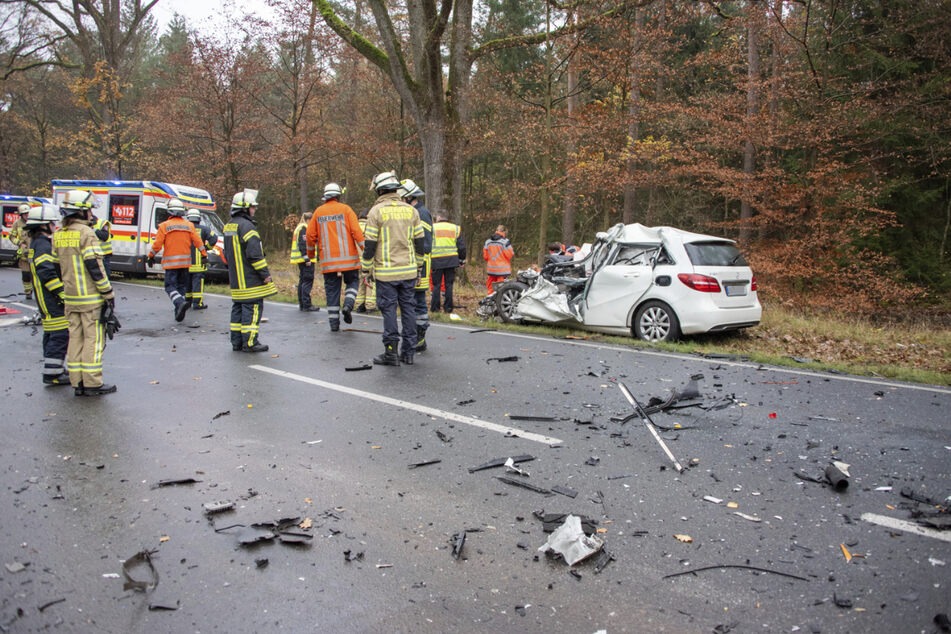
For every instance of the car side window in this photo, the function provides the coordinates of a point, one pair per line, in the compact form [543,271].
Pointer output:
[161,215]
[633,256]
[664,258]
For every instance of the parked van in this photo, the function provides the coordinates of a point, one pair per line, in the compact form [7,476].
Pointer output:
[9,204]
[135,209]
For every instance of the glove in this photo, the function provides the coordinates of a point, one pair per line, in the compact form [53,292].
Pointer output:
[107,316]
[151,260]
[267,280]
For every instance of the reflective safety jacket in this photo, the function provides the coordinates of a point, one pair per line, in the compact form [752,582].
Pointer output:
[103,229]
[48,283]
[449,249]
[20,238]
[426,219]
[335,229]
[247,266]
[497,253]
[208,238]
[76,248]
[299,245]
[394,240]
[175,239]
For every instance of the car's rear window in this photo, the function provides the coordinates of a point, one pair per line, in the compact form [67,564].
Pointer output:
[714,254]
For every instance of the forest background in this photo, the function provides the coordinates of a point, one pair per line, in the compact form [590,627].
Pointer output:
[815,132]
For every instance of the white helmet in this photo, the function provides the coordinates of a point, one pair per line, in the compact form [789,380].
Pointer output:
[77,202]
[24,208]
[41,215]
[332,190]
[409,189]
[176,207]
[193,215]
[384,182]
[244,200]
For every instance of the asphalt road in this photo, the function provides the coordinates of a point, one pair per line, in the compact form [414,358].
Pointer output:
[305,438]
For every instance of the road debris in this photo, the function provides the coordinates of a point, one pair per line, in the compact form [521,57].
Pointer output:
[687,539]
[503,359]
[942,621]
[443,437]
[747,517]
[458,541]
[424,463]
[138,559]
[227,412]
[551,521]
[846,553]
[351,555]
[650,426]
[511,468]
[498,462]
[710,498]
[841,603]
[15,567]
[175,482]
[603,560]
[592,461]
[211,508]
[250,536]
[745,567]
[358,368]
[571,493]
[570,541]
[48,604]
[523,484]
[539,419]
[837,474]
[261,562]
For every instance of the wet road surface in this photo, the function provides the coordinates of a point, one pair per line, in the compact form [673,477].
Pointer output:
[305,438]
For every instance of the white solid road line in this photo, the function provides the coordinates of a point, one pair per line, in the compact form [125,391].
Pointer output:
[650,353]
[423,409]
[908,527]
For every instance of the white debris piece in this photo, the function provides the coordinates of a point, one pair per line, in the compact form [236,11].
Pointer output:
[710,498]
[569,541]
[843,467]
[510,465]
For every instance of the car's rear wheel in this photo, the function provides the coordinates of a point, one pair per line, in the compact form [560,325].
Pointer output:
[507,295]
[655,321]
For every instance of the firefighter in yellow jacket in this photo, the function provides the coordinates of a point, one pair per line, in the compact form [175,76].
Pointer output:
[195,297]
[393,256]
[21,239]
[247,273]
[305,265]
[85,288]
[366,294]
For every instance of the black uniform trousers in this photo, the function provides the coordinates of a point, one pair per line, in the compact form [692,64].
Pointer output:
[305,284]
[177,284]
[389,295]
[332,287]
[245,323]
[439,276]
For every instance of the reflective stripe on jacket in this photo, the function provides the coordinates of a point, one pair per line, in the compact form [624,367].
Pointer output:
[174,239]
[247,266]
[449,248]
[48,283]
[103,229]
[74,245]
[20,238]
[209,239]
[298,255]
[497,253]
[334,235]
[393,225]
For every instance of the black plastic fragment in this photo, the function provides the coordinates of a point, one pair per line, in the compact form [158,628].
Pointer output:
[592,461]
[359,368]
[50,604]
[841,603]
[261,562]
[532,418]
[941,620]
[498,462]
[164,606]
[175,481]
[458,541]
[565,491]
[575,574]
[211,508]
[250,536]
[720,355]
[806,477]
[502,359]
[744,567]
[443,437]
[837,478]
[909,493]
[227,412]
[466,402]
[141,557]
[291,537]
[603,560]
[350,555]
[523,484]
[621,477]
[551,521]
[483,330]
[520,610]
[524,545]
[424,463]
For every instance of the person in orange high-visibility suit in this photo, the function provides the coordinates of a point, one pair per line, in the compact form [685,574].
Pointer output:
[175,239]
[497,253]
[336,230]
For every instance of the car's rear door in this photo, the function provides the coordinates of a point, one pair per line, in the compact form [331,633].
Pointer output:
[615,287]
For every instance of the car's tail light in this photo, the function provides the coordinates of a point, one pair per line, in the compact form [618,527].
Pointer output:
[753,286]
[702,283]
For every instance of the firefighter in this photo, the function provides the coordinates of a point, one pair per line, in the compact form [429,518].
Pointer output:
[497,253]
[393,257]
[175,239]
[103,230]
[49,294]
[247,273]
[335,228]
[199,265]
[411,193]
[305,264]
[20,239]
[449,253]
[366,295]
[85,289]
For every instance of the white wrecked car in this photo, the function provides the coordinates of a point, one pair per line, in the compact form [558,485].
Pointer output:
[654,283]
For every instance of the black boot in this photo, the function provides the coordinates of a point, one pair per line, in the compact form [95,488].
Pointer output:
[105,388]
[257,347]
[420,339]
[406,358]
[389,356]
[201,306]
[79,390]
[60,379]
[180,311]
[347,317]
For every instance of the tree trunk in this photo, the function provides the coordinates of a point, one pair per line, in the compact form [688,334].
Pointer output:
[659,90]
[568,204]
[546,149]
[752,99]
[633,122]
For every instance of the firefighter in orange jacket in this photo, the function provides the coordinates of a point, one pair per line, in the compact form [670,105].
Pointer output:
[336,229]
[175,238]
[497,253]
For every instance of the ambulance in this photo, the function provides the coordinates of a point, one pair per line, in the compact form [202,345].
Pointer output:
[9,204]
[135,209]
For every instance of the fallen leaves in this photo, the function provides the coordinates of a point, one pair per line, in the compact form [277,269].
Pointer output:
[687,539]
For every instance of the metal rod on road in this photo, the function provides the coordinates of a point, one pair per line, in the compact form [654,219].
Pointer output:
[650,425]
